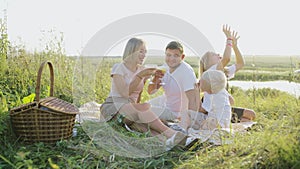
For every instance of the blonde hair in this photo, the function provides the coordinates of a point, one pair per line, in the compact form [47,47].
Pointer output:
[132,46]
[205,61]
[216,79]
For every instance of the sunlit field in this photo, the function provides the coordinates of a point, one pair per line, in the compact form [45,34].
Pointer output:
[274,142]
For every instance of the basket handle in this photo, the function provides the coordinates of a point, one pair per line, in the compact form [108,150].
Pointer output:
[38,83]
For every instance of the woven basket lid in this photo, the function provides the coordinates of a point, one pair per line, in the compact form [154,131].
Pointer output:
[59,105]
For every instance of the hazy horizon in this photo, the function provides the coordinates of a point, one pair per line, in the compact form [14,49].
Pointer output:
[265,27]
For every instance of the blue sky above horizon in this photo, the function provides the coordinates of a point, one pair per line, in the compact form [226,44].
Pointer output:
[266,27]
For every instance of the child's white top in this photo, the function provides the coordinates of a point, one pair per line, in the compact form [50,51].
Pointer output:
[210,101]
[230,74]
[219,108]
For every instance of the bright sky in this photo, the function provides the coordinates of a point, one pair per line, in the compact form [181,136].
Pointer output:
[266,27]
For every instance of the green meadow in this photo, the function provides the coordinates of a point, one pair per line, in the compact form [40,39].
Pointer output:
[274,142]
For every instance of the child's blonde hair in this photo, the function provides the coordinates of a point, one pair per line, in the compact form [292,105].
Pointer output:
[216,80]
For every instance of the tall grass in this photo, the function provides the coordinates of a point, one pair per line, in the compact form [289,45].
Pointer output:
[3,43]
[273,143]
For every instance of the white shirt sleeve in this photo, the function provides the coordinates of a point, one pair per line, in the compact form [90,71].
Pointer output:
[220,108]
[187,85]
[206,102]
[231,71]
[117,69]
[188,76]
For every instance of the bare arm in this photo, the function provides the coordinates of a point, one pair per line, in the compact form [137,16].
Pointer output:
[121,85]
[227,52]
[142,75]
[240,62]
[126,89]
[201,69]
[193,96]
[134,83]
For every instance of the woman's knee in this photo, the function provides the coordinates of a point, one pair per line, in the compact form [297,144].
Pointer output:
[133,112]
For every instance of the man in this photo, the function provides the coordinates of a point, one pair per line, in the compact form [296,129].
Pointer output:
[179,81]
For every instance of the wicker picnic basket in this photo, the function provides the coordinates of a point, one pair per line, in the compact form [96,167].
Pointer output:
[44,120]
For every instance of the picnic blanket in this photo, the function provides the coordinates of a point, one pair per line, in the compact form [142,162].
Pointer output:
[219,136]
[108,138]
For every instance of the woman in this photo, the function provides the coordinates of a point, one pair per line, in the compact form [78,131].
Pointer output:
[128,79]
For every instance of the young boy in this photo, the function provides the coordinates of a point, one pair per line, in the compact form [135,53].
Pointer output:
[219,110]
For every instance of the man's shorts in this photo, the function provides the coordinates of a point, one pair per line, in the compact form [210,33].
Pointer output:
[237,114]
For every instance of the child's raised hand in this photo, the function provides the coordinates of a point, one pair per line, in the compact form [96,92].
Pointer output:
[227,31]
[235,38]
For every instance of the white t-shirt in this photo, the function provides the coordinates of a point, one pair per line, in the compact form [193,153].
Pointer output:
[121,69]
[219,108]
[176,84]
[210,99]
[231,71]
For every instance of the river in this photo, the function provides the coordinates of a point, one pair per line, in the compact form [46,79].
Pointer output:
[289,87]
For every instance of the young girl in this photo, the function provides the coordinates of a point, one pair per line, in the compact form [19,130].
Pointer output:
[212,61]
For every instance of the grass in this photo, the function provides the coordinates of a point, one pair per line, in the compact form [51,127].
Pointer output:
[273,143]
